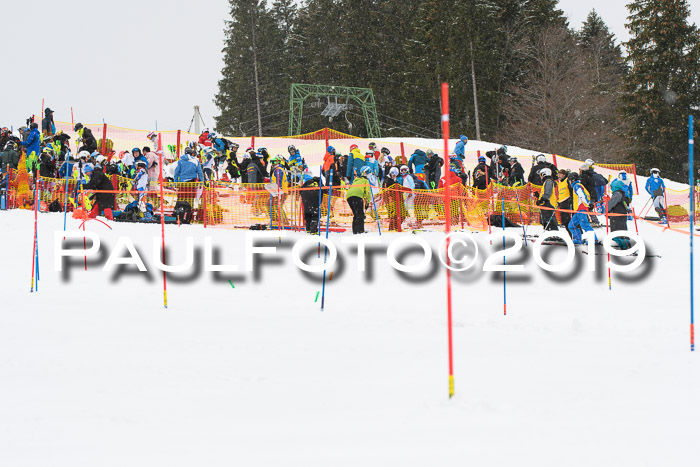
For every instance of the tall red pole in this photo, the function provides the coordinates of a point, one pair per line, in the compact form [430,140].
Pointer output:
[162,215]
[177,150]
[325,131]
[72,122]
[554,157]
[448,220]
[41,115]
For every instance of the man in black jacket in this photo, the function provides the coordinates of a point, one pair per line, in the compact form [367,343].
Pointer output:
[309,197]
[433,173]
[47,166]
[547,217]
[534,176]
[517,173]
[479,176]
[104,202]
[89,141]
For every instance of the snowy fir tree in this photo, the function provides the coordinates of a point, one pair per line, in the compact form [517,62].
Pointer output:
[662,86]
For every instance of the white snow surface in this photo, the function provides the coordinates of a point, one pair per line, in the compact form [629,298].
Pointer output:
[95,372]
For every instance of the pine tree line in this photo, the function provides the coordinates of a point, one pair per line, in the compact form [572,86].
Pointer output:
[535,81]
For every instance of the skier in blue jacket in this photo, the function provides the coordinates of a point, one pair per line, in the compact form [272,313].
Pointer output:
[582,200]
[656,188]
[459,147]
[417,160]
[188,168]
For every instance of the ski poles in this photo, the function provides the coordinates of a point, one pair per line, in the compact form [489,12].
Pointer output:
[325,255]
[376,215]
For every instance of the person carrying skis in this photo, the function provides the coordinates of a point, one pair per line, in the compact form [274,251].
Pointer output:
[657,190]
[581,202]
[358,196]
[547,217]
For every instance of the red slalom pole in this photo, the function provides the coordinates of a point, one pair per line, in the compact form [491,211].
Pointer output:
[607,232]
[448,219]
[162,216]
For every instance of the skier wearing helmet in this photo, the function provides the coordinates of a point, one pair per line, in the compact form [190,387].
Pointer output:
[459,147]
[355,163]
[393,199]
[480,180]
[657,190]
[547,217]
[359,196]
[516,177]
[541,162]
[581,201]
[296,163]
[433,172]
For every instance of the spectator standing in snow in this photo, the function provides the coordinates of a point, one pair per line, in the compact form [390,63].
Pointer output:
[358,196]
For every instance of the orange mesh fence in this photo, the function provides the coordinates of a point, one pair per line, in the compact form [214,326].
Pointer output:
[235,205]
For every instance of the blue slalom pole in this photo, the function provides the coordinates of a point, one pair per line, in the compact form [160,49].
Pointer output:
[376,214]
[320,200]
[65,188]
[691,176]
[503,223]
[325,255]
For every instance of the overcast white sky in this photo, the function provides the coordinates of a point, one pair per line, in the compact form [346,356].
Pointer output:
[135,62]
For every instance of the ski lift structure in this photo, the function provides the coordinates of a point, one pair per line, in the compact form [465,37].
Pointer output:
[334,106]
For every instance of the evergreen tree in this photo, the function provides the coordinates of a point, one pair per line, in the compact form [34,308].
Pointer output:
[662,87]
[249,95]
[603,137]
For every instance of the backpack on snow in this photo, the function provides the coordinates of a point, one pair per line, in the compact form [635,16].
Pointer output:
[183,211]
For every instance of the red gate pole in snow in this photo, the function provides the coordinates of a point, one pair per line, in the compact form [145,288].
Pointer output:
[162,215]
[448,216]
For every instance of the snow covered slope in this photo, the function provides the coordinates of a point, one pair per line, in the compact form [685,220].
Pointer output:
[94,371]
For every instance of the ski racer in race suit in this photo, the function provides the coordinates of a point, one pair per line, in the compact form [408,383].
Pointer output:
[581,202]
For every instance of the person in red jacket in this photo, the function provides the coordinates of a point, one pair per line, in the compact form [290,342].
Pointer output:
[204,139]
[453,175]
